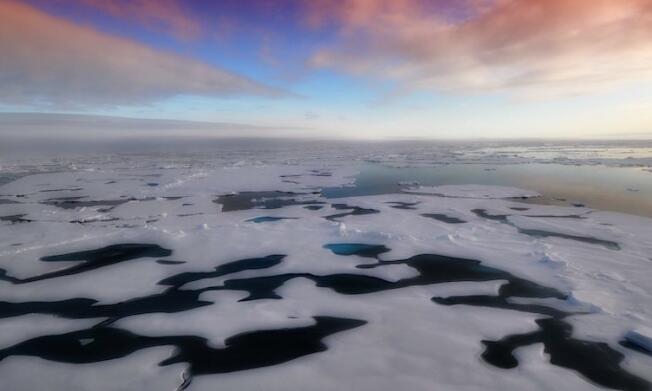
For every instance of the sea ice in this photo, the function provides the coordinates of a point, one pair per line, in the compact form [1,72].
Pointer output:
[348,259]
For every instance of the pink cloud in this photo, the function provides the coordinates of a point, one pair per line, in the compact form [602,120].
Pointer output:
[536,47]
[48,60]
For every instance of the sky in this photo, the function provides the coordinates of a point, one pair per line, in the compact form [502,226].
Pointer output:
[367,69]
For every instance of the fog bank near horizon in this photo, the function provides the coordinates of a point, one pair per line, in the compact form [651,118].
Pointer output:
[57,128]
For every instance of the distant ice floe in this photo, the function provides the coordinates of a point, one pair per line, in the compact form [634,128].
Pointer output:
[474,191]
[442,287]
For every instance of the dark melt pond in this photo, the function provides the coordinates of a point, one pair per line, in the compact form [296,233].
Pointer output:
[265,200]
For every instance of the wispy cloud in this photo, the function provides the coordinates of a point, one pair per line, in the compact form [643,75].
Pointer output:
[531,47]
[46,60]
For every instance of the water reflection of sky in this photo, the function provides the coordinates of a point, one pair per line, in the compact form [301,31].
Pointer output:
[622,189]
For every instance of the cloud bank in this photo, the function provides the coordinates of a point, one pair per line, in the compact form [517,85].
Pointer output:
[82,126]
[49,61]
[533,47]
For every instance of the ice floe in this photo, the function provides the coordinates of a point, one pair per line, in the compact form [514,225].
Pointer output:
[474,191]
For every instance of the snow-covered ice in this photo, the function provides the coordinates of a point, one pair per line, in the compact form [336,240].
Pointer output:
[117,268]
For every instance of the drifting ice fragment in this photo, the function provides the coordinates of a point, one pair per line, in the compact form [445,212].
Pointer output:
[641,337]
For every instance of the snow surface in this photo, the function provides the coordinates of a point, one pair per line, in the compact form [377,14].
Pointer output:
[408,343]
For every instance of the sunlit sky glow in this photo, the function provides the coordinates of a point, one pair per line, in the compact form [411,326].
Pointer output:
[338,68]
